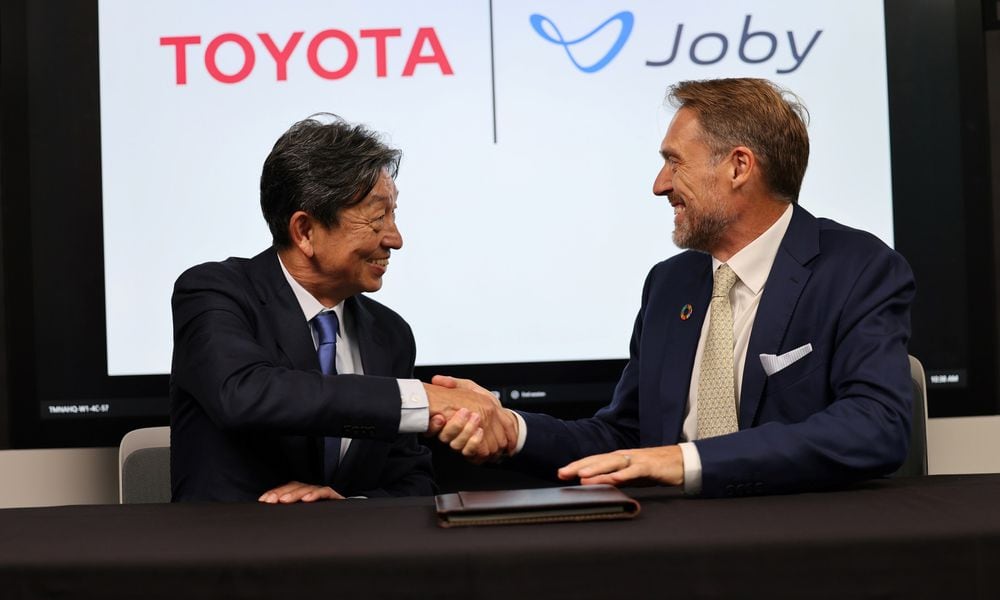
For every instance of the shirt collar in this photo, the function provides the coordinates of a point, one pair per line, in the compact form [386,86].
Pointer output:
[307,302]
[753,263]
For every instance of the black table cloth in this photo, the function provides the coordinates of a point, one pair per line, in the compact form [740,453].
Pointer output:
[922,537]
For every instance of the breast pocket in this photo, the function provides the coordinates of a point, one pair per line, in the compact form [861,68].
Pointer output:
[798,390]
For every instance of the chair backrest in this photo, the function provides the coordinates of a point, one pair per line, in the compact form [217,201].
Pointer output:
[144,466]
[916,460]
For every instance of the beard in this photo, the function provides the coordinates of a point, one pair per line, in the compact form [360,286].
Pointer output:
[702,228]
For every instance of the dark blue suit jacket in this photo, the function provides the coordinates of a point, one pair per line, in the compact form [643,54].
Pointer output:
[841,413]
[249,405]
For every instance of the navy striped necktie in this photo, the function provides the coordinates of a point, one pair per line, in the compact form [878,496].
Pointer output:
[327,325]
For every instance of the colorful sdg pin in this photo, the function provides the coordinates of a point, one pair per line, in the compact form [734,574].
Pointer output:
[686,311]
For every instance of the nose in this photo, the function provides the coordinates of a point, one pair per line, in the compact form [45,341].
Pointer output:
[663,183]
[393,238]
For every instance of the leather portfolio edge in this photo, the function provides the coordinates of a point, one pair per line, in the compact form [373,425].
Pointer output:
[543,505]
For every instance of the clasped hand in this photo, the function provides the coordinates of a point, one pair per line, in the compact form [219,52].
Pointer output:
[470,419]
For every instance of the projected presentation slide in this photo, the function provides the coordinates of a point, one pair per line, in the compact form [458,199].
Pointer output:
[530,133]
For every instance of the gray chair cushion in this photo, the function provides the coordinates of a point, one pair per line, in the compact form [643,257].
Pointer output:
[146,476]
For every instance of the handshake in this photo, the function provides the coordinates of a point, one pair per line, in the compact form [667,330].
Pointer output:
[470,419]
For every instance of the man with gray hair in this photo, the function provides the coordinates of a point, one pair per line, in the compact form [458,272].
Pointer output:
[287,383]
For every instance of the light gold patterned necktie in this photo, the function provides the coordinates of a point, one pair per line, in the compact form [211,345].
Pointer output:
[716,384]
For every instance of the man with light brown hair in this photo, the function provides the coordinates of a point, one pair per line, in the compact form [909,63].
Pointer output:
[770,356]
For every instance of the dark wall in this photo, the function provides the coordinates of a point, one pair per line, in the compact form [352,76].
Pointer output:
[944,211]
[13,103]
[992,41]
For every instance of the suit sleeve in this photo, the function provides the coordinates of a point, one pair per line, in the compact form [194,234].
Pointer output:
[243,386]
[862,428]
[552,443]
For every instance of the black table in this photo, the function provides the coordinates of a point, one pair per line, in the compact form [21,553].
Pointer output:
[923,537]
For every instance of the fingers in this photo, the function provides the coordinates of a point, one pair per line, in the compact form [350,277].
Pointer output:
[471,450]
[510,425]
[271,496]
[663,464]
[445,401]
[462,384]
[599,464]
[460,429]
[295,491]
[435,425]
[445,381]
[615,477]
[321,493]
[494,437]
[463,434]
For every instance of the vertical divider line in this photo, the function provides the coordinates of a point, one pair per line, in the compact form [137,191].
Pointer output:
[493,76]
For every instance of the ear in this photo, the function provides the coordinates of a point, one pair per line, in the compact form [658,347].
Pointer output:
[742,164]
[301,228]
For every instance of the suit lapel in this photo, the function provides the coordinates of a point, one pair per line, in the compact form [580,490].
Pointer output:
[681,344]
[291,331]
[374,361]
[785,282]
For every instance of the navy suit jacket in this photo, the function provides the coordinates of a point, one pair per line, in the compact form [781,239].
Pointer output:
[250,406]
[840,414]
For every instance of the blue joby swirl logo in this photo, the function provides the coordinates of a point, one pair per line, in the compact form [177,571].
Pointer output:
[538,22]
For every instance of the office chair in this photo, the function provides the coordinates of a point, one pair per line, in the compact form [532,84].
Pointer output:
[916,460]
[144,466]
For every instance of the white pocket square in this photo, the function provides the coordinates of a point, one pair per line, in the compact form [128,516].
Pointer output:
[773,363]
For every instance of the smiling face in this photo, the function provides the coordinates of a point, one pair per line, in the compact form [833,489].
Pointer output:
[692,180]
[352,256]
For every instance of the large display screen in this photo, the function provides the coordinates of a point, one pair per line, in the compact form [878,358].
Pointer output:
[530,133]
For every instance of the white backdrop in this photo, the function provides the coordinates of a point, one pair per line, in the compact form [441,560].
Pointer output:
[533,247]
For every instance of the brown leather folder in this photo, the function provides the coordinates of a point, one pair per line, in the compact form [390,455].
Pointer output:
[545,505]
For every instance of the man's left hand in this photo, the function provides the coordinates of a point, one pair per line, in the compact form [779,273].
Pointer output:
[663,465]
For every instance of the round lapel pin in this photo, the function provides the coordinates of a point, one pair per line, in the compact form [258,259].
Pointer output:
[686,311]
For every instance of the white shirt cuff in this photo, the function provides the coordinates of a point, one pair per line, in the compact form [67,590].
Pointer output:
[692,468]
[415,413]
[522,432]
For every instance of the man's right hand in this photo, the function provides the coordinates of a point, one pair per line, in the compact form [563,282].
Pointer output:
[464,435]
[447,396]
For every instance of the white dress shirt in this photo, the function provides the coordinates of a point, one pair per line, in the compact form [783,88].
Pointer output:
[752,264]
[414,407]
